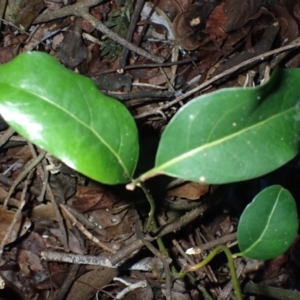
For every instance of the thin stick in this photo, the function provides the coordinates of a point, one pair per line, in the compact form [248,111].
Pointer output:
[134,18]
[85,232]
[17,214]
[207,83]
[77,259]
[132,67]
[3,4]
[222,240]
[43,173]
[23,174]
[64,237]
[164,258]
[69,280]
[81,9]
[6,136]
[228,254]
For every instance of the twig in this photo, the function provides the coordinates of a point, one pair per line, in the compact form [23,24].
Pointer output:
[270,291]
[17,214]
[141,96]
[76,258]
[147,22]
[187,218]
[62,292]
[171,227]
[207,83]
[130,31]
[64,235]
[228,254]
[43,173]
[165,260]
[80,9]
[8,182]
[65,11]
[130,287]
[169,84]
[85,232]
[86,221]
[221,241]
[22,175]
[3,4]
[30,35]
[45,180]
[112,35]
[181,251]
[6,135]
[132,67]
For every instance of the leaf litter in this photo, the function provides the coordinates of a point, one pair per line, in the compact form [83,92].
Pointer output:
[212,37]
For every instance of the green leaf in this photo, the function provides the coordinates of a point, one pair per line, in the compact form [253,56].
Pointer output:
[268,225]
[233,134]
[65,114]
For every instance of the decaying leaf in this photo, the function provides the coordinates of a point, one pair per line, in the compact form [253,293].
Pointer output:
[157,17]
[92,198]
[238,12]
[288,26]
[22,12]
[73,50]
[215,23]
[189,190]
[20,228]
[189,24]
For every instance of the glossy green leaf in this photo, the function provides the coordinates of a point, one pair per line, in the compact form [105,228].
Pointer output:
[65,114]
[233,134]
[269,224]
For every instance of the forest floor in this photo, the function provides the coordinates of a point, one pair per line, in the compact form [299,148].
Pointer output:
[65,236]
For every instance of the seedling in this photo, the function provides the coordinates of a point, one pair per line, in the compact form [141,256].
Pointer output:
[266,229]
[226,136]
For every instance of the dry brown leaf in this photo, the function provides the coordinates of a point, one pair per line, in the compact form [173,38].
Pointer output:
[20,228]
[29,261]
[23,12]
[170,7]
[92,198]
[274,266]
[43,213]
[74,243]
[288,26]
[297,11]
[189,190]
[214,25]
[238,12]
[188,26]
[73,50]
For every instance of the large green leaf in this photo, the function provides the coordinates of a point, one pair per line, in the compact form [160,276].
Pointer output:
[269,224]
[65,114]
[233,134]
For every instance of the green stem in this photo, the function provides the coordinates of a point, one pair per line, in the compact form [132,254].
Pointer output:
[205,294]
[152,207]
[151,220]
[205,261]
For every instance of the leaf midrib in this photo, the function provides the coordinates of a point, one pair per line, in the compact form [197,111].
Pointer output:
[214,143]
[260,238]
[79,121]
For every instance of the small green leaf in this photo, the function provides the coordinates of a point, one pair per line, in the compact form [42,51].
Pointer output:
[233,134]
[268,225]
[65,114]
